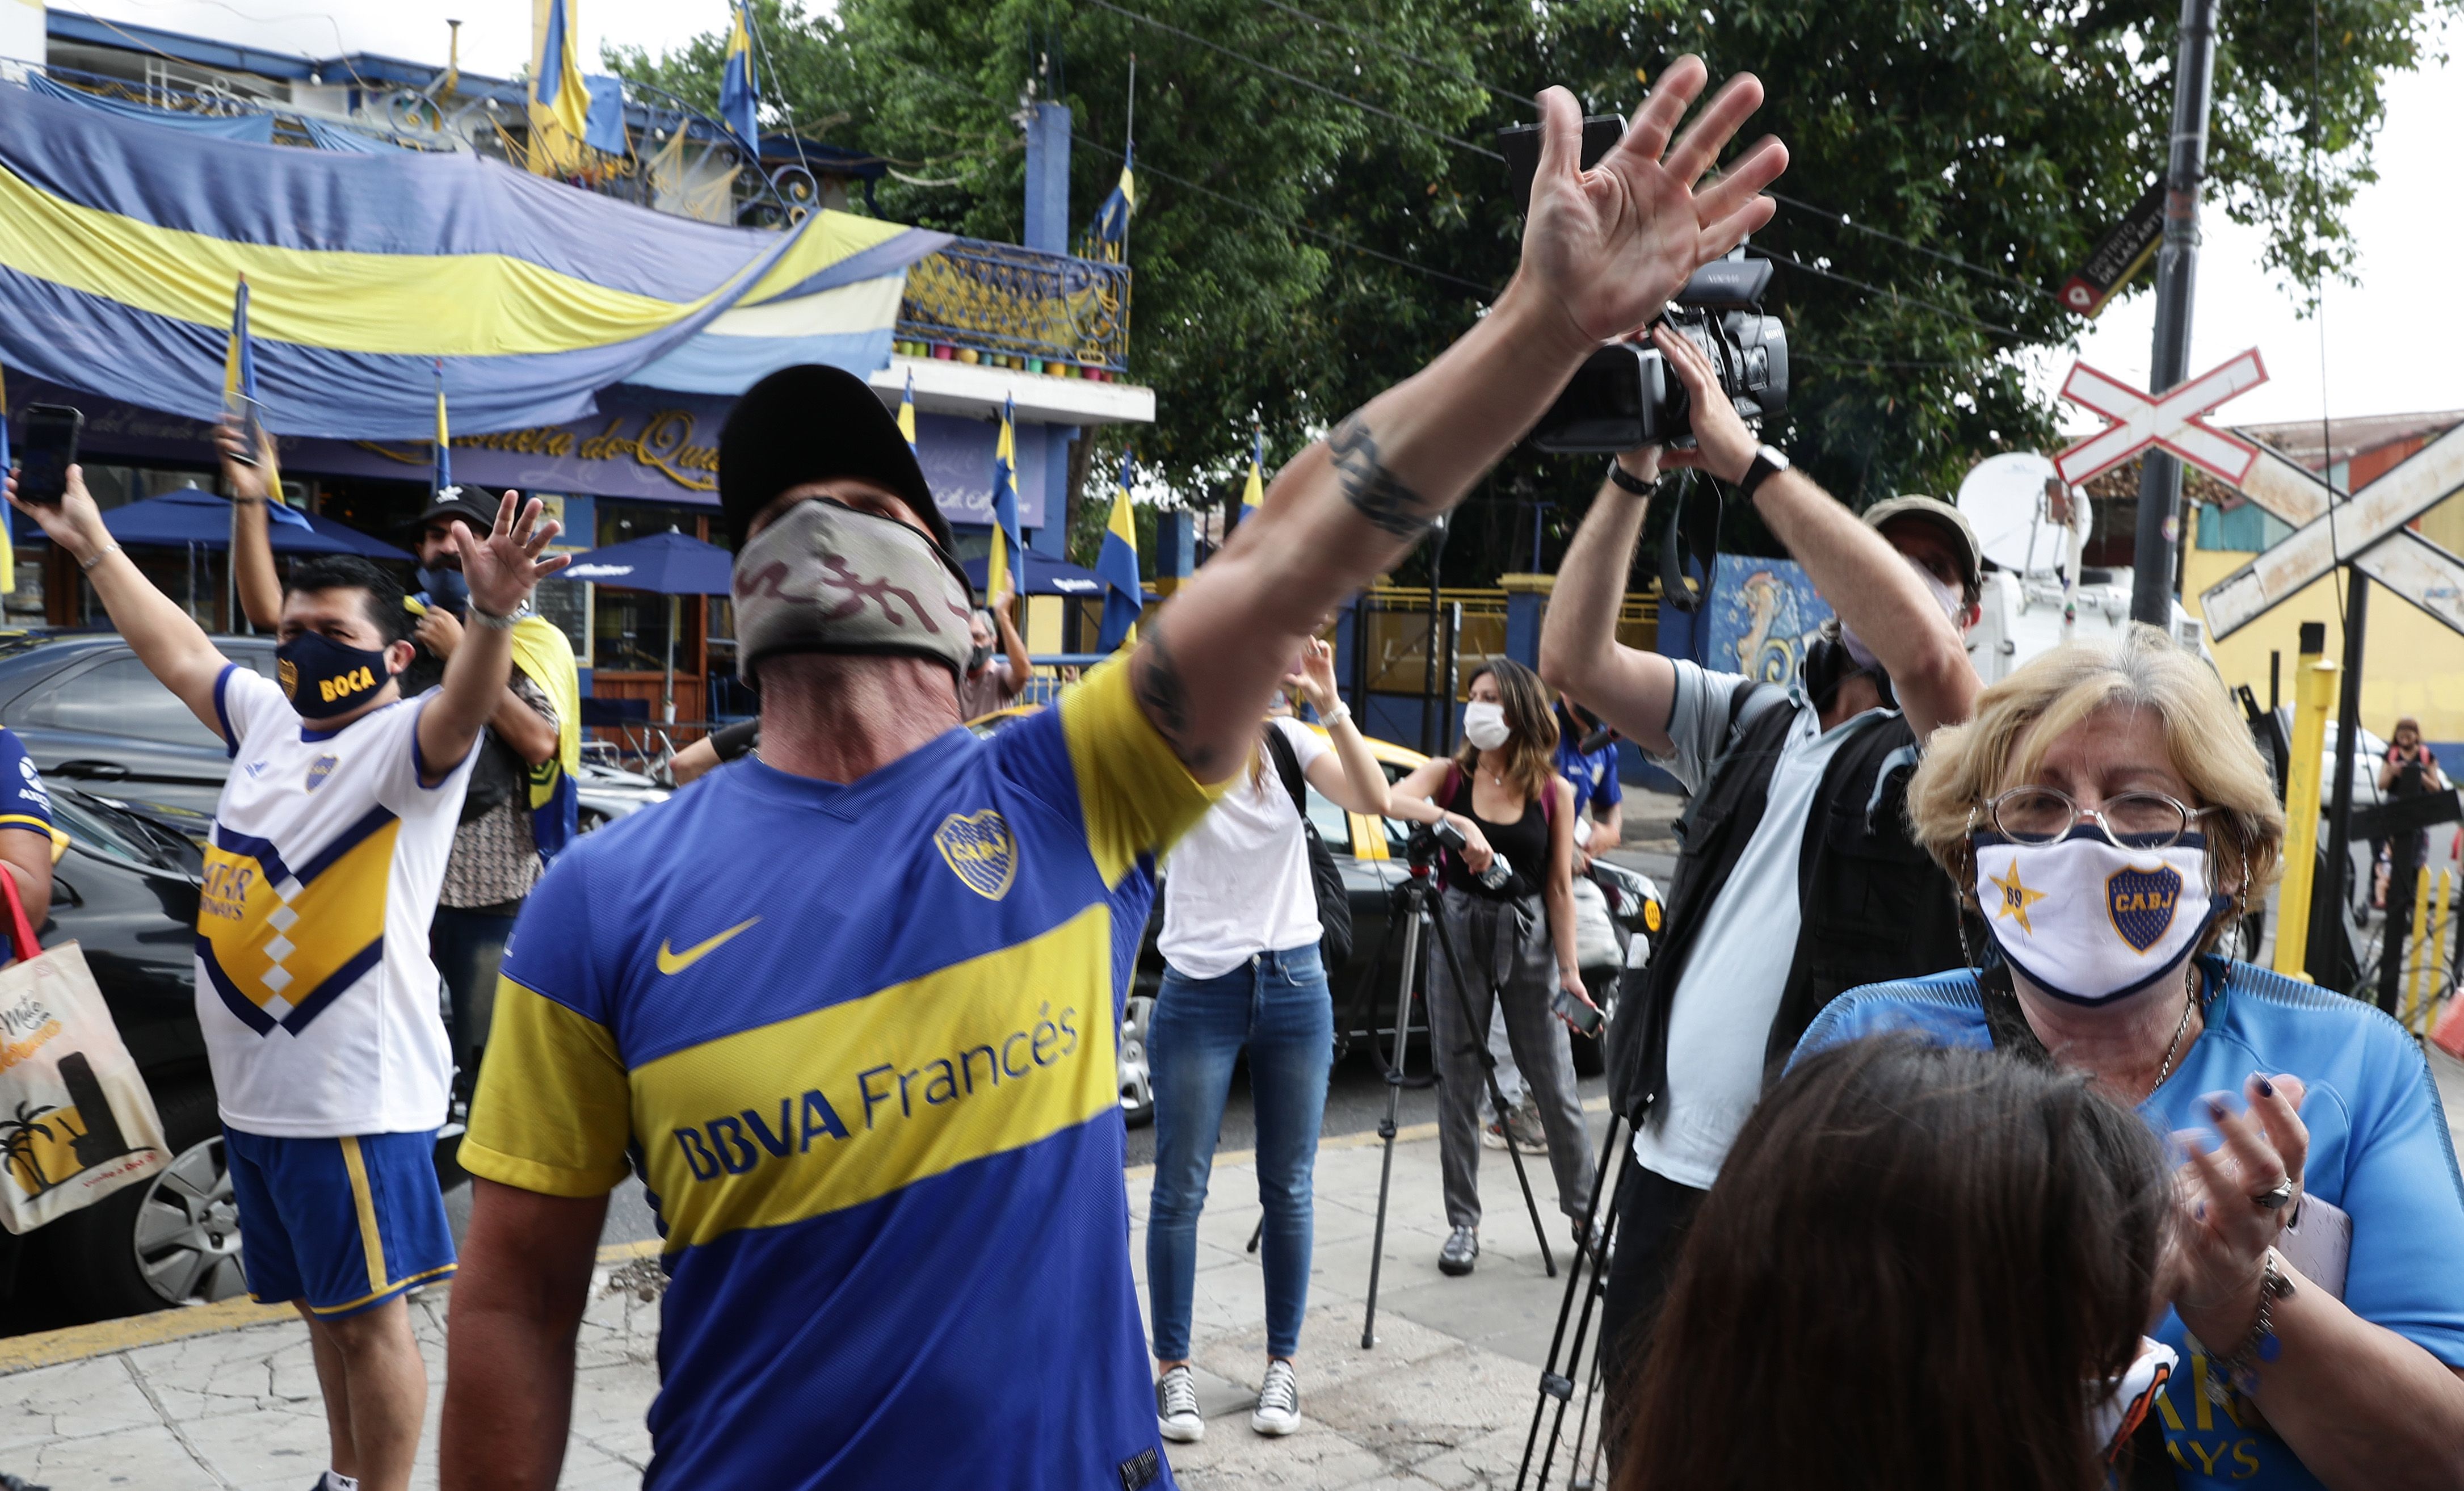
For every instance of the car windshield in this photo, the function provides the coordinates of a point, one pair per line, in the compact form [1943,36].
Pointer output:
[109,829]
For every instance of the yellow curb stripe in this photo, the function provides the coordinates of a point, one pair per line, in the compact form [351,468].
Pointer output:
[76,1343]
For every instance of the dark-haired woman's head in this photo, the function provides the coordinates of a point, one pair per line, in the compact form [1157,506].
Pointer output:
[1913,1263]
[1520,701]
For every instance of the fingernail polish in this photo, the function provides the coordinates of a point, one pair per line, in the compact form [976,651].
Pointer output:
[2266,1088]
[2216,1106]
[2200,1211]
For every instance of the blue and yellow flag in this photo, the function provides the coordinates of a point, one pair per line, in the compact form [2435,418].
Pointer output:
[1255,491]
[740,87]
[906,411]
[239,377]
[1111,229]
[1006,570]
[1125,597]
[557,90]
[443,480]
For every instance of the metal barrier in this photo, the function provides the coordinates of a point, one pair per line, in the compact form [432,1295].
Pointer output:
[1021,307]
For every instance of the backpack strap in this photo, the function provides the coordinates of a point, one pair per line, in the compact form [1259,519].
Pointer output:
[1287,766]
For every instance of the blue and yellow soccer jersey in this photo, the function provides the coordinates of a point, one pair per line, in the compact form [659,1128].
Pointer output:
[22,802]
[859,1042]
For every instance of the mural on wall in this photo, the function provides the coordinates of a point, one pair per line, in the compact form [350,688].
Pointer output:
[1762,613]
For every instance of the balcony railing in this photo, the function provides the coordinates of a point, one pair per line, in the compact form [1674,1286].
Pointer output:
[1016,307]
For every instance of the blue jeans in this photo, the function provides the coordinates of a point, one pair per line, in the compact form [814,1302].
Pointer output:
[1277,1005]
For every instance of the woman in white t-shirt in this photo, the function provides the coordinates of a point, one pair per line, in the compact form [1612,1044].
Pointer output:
[1242,971]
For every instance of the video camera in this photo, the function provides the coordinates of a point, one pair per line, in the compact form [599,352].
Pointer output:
[1420,850]
[1625,394]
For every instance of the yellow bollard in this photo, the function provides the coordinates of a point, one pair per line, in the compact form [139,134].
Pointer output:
[2438,930]
[2420,946]
[2314,697]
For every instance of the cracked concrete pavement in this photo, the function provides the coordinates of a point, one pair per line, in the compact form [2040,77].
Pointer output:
[1441,1401]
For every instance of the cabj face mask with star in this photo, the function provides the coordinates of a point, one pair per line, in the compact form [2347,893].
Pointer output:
[2088,921]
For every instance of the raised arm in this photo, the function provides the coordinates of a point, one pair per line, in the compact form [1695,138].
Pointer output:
[500,571]
[1019,664]
[1349,775]
[1580,652]
[1876,592]
[174,648]
[251,551]
[1602,252]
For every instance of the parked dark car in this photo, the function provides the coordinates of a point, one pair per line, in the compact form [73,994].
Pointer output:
[91,716]
[125,890]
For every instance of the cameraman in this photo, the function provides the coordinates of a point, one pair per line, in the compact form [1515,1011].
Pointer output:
[1798,879]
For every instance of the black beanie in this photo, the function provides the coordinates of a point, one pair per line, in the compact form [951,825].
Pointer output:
[813,423]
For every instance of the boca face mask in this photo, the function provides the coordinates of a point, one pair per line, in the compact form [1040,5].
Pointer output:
[825,578]
[323,678]
[2088,921]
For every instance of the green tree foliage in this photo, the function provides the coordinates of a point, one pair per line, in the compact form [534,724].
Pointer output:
[1977,150]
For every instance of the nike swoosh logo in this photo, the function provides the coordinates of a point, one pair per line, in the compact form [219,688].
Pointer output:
[678,962]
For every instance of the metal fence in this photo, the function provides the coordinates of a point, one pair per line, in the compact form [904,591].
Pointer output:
[1019,307]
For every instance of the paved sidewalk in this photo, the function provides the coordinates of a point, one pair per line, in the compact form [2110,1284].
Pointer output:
[229,1401]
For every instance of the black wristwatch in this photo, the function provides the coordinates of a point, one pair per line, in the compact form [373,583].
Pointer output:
[1769,461]
[1634,484]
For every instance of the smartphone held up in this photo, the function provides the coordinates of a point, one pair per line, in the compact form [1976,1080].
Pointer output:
[47,447]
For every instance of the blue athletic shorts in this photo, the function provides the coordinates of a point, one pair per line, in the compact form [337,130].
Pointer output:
[340,1224]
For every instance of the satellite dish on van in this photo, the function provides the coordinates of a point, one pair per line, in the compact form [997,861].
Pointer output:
[2014,502]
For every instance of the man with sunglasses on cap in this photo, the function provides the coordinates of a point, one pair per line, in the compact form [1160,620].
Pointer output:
[847,1004]
[1798,880]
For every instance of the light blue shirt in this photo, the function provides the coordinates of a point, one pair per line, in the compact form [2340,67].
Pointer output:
[2379,1148]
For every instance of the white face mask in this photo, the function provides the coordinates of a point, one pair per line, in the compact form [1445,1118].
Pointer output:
[1485,725]
[1948,596]
[2088,922]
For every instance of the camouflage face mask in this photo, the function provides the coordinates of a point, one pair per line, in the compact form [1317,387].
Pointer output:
[825,578]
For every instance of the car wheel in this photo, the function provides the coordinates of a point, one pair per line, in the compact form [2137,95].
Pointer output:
[171,1240]
[1137,1084]
[588,819]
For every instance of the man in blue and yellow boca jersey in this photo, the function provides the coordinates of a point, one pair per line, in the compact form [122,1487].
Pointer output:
[26,855]
[313,988]
[846,1005]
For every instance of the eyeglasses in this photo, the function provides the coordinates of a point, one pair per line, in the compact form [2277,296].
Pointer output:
[2128,820]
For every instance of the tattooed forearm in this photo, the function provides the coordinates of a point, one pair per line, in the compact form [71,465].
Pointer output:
[1156,682]
[1372,490]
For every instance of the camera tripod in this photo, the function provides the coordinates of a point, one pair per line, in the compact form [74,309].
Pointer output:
[1557,1375]
[1416,903]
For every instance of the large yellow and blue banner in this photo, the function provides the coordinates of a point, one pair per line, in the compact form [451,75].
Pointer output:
[740,86]
[120,243]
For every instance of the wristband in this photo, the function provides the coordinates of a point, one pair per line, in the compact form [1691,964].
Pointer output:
[1625,483]
[2240,1367]
[97,556]
[1333,718]
[1767,463]
[492,621]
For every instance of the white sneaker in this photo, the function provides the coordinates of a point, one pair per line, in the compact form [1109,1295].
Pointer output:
[1279,1400]
[1177,1416]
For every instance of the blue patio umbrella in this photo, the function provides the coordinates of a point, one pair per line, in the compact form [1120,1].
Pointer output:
[194,517]
[1045,576]
[670,564]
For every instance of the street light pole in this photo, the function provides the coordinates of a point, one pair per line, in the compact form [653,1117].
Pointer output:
[2177,268]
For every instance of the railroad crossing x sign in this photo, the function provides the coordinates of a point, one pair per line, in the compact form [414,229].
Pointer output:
[2366,529]
[2170,419]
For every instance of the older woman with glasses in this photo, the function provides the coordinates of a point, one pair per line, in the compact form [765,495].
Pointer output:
[2106,815]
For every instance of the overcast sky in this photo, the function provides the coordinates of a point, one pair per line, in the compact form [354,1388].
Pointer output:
[2394,342]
